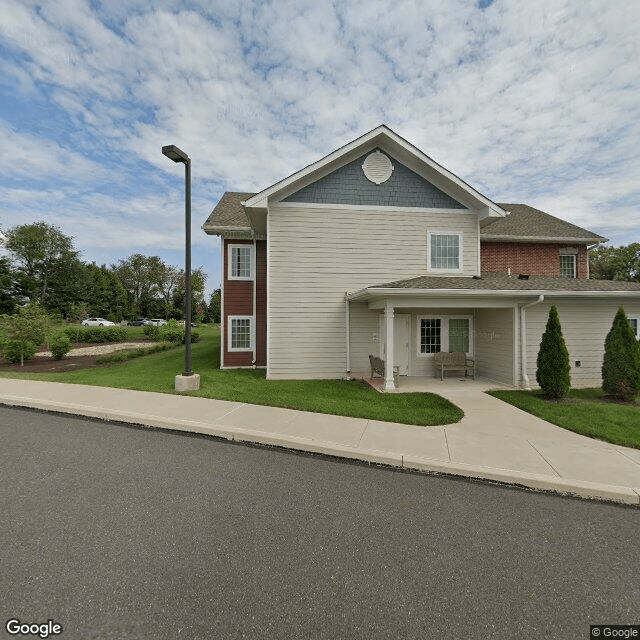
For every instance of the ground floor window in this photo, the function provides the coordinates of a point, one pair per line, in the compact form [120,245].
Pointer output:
[240,333]
[444,334]
[635,325]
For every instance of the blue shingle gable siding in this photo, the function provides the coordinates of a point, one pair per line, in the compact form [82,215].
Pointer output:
[349,185]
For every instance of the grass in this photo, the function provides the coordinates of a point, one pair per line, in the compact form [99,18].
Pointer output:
[156,372]
[586,411]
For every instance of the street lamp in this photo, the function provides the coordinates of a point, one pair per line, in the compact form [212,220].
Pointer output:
[188,381]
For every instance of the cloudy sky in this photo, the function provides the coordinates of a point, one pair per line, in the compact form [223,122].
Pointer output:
[533,102]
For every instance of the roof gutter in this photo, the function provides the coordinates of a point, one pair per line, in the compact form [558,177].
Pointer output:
[506,238]
[480,293]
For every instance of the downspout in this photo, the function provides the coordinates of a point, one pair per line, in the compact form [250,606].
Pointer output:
[223,332]
[255,315]
[523,340]
[347,334]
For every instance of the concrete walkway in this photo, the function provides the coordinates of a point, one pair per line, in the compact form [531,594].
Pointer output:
[494,441]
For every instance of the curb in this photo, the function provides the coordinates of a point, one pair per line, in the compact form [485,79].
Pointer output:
[537,482]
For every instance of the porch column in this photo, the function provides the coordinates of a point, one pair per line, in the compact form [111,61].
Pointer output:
[389,384]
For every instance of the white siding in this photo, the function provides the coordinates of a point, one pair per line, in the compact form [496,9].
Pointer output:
[318,253]
[495,345]
[585,325]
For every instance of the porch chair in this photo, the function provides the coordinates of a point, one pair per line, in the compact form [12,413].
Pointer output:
[377,367]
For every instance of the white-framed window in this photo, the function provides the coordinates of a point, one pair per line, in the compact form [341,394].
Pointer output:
[240,262]
[444,251]
[634,321]
[444,333]
[240,334]
[568,266]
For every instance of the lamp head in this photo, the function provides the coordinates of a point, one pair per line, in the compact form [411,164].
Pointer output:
[174,153]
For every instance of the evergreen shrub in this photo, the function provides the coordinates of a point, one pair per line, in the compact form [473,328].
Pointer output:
[621,363]
[19,350]
[553,363]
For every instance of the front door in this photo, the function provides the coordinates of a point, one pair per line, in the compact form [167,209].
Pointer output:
[401,327]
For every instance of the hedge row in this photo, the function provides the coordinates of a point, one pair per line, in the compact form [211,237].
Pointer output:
[96,334]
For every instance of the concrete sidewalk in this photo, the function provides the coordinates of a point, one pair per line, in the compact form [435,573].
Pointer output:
[494,441]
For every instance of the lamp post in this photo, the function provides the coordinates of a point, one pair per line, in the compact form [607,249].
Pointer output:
[188,381]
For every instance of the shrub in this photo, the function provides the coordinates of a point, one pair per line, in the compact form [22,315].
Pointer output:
[60,345]
[553,369]
[151,331]
[621,363]
[122,356]
[19,350]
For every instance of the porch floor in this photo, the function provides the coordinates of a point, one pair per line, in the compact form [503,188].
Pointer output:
[413,384]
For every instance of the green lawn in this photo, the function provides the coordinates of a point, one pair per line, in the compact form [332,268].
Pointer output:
[585,411]
[156,372]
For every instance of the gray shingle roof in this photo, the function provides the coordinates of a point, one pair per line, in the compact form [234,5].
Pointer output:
[526,222]
[504,282]
[229,212]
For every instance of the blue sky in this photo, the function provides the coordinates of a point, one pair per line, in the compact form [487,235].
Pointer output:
[535,103]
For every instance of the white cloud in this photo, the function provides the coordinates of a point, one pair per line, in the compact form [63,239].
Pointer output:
[529,102]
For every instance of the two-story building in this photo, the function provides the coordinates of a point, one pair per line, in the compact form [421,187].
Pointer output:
[377,249]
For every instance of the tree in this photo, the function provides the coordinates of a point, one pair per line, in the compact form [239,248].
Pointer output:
[553,369]
[24,331]
[44,255]
[7,287]
[621,363]
[215,306]
[140,276]
[611,263]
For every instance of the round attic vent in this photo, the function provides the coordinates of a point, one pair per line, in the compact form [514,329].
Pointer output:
[377,167]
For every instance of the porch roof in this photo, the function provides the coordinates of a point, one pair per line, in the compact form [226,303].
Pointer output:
[498,284]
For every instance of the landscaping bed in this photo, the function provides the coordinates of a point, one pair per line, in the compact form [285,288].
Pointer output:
[82,356]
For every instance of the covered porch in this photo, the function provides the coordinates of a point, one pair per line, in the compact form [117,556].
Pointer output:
[407,324]
[430,384]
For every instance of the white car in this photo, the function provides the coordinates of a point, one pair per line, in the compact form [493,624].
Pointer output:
[156,322]
[97,322]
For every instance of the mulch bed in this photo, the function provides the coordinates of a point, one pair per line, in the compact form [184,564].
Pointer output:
[68,363]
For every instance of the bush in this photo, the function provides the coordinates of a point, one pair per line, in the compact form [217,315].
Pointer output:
[553,369]
[19,350]
[621,363]
[151,331]
[60,345]
[122,356]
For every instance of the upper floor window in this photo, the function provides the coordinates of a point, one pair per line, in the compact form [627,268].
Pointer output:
[568,266]
[445,251]
[240,259]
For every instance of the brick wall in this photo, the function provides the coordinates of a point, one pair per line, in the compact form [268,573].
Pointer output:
[528,257]
[238,301]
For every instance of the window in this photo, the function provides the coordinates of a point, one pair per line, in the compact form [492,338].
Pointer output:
[568,266]
[445,251]
[240,258]
[634,321]
[444,334]
[429,335]
[240,333]
[459,334]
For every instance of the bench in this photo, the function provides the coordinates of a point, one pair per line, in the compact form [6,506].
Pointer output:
[456,361]
[377,367]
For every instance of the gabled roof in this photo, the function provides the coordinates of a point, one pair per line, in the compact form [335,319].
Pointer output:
[228,214]
[524,223]
[388,141]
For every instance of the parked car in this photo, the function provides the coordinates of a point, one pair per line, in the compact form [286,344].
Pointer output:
[97,322]
[156,322]
[138,322]
[193,324]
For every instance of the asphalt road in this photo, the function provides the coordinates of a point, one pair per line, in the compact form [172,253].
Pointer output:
[117,532]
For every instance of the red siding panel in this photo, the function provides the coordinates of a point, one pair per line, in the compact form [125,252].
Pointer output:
[238,301]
